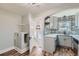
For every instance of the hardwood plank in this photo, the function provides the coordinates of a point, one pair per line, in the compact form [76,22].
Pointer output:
[60,51]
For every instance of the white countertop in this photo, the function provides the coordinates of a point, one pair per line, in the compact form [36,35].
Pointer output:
[54,35]
[75,36]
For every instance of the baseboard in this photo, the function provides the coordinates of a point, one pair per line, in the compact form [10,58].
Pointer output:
[20,50]
[5,50]
[17,49]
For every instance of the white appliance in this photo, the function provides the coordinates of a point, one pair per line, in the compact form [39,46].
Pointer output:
[21,41]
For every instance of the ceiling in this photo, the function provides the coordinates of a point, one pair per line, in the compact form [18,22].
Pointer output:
[34,8]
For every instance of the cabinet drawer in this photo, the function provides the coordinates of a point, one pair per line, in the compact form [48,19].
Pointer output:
[49,44]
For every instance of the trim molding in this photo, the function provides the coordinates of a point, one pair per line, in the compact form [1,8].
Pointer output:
[5,50]
[16,48]
[21,50]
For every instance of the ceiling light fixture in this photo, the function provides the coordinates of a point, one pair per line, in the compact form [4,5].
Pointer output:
[35,4]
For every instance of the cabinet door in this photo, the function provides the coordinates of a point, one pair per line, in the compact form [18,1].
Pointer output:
[55,23]
[51,22]
[78,49]
[49,44]
[77,22]
[72,18]
[61,40]
[67,41]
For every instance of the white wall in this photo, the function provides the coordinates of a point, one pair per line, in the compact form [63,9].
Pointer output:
[8,25]
[67,12]
[25,21]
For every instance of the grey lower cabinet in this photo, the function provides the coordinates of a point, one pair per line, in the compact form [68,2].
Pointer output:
[78,49]
[49,44]
[65,40]
[76,45]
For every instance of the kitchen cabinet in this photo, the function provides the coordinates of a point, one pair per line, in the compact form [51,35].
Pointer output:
[53,22]
[65,40]
[64,24]
[60,40]
[77,21]
[75,45]
[78,49]
[49,44]
[47,26]
[74,21]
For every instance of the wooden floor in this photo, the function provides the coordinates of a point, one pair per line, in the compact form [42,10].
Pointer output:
[65,52]
[61,51]
[58,52]
[14,53]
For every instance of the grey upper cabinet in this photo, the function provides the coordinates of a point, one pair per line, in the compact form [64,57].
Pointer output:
[72,18]
[68,24]
[64,24]
[77,21]
[74,21]
[47,26]
[53,22]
